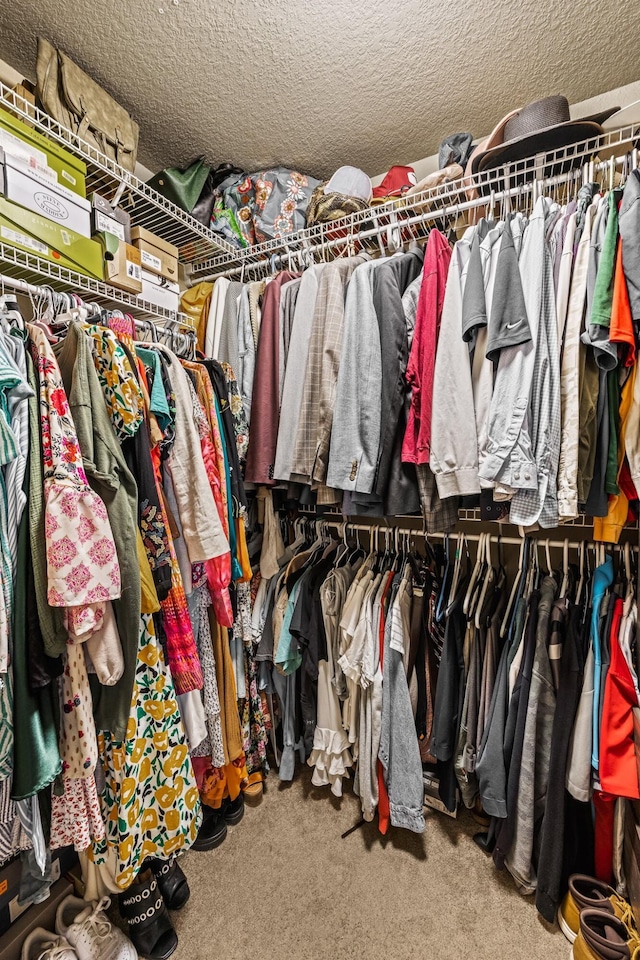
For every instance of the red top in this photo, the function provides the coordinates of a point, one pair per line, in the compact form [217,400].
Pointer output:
[618,770]
[419,376]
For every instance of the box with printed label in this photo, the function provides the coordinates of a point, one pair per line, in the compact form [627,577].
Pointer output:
[121,263]
[45,156]
[10,877]
[157,255]
[25,185]
[50,241]
[38,915]
[160,291]
[107,219]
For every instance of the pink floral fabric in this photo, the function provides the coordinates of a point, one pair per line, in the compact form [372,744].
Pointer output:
[82,563]
[76,817]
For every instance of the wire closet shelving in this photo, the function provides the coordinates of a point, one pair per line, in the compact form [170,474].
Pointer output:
[401,219]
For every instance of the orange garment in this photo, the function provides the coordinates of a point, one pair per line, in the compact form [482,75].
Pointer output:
[195,302]
[621,329]
[618,770]
[218,782]
[242,550]
[610,527]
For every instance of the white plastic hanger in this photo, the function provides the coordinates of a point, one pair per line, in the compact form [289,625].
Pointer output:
[475,574]
[581,580]
[564,586]
[489,579]
[514,591]
[461,542]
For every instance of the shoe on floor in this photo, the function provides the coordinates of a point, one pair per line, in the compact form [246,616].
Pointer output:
[212,832]
[587,893]
[171,881]
[603,936]
[145,911]
[90,932]
[44,945]
[253,791]
[233,810]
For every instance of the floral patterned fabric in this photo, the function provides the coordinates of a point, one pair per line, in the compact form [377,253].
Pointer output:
[82,564]
[212,746]
[240,423]
[76,817]
[255,717]
[122,392]
[261,206]
[150,801]
[281,201]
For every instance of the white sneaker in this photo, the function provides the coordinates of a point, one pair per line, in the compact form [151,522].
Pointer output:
[91,933]
[44,945]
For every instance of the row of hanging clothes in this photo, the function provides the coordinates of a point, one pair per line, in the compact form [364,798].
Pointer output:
[128,685]
[512,682]
[494,366]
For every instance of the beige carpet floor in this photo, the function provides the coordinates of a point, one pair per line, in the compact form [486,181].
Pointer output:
[285,886]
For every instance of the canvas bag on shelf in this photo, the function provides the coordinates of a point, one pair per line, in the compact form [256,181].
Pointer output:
[71,97]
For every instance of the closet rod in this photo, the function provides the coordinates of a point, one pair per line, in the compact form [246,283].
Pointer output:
[311,239]
[23,287]
[472,537]
[34,290]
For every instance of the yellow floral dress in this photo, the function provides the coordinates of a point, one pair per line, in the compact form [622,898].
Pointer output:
[150,798]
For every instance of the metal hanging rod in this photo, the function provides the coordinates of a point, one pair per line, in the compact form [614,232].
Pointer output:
[36,290]
[511,180]
[472,537]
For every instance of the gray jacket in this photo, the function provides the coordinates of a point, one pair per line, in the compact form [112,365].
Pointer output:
[454,439]
[293,382]
[399,751]
[629,226]
[541,505]
[534,767]
[355,436]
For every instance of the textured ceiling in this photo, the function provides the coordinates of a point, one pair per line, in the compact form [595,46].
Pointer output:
[313,84]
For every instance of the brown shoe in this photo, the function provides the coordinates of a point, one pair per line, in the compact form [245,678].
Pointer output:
[604,937]
[587,893]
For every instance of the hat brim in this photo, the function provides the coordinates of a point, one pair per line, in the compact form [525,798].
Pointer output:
[628,116]
[541,141]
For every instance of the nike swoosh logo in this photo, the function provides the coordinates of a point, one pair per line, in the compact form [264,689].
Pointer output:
[511,326]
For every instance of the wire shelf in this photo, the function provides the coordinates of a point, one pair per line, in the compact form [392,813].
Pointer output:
[33,270]
[147,208]
[448,199]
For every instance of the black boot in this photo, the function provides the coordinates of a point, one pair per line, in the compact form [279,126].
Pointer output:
[233,810]
[171,880]
[150,927]
[213,830]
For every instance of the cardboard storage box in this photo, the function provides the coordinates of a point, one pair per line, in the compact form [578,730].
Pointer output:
[25,185]
[48,240]
[27,91]
[10,875]
[162,292]
[52,161]
[158,256]
[39,915]
[107,219]
[121,263]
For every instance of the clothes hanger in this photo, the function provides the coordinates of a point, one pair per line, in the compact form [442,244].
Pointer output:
[581,581]
[461,541]
[504,626]
[564,586]
[475,574]
[440,606]
[488,581]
